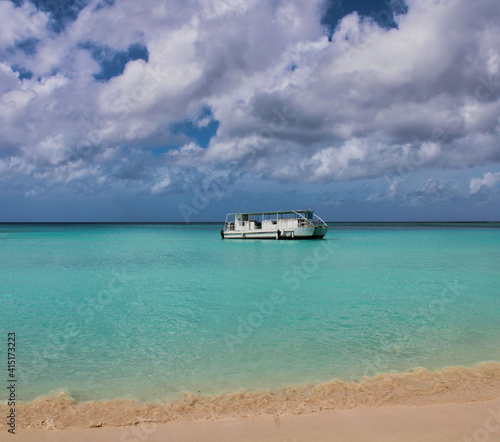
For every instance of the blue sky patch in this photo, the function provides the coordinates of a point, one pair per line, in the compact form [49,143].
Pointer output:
[382,11]
[113,62]
[104,4]
[28,46]
[200,134]
[22,72]
[61,12]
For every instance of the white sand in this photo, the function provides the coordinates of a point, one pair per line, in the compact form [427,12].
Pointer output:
[474,421]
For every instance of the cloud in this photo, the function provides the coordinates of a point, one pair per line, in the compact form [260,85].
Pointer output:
[147,93]
[20,25]
[113,62]
[61,12]
[488,181]
[360,104]
[160,186]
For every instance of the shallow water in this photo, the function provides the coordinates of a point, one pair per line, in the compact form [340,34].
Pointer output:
[148,311]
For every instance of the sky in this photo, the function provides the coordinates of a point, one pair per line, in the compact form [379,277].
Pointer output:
[184,110]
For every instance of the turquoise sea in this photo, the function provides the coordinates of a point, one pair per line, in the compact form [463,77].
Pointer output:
[149,311]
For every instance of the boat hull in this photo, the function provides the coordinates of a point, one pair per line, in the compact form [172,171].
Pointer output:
[316,232]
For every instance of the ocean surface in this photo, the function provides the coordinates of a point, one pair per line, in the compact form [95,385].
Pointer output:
[151,311]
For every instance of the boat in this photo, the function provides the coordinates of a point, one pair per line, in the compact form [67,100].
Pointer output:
[290,224]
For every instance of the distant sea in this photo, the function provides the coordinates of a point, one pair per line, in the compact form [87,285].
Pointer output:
[150,311]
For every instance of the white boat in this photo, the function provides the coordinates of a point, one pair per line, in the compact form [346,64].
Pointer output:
[291,224]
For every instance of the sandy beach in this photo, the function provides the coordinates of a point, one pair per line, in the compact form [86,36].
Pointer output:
[477,421]
[456,403]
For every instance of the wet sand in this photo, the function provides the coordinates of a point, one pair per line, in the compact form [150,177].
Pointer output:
[477,421]
[440,405]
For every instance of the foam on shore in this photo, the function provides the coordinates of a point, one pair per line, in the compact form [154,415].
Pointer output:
[416,387]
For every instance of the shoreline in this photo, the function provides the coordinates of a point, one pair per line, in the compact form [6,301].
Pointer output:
[430,423]
[419,387]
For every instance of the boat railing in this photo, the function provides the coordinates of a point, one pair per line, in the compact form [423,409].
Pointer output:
[321,222]
[303,221]
[257,224]
[229,225]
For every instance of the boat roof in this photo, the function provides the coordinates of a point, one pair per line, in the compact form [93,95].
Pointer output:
[272,213]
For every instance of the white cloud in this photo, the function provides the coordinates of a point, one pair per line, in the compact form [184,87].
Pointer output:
[291,105]
[488,181]
[21,23]
[161,185]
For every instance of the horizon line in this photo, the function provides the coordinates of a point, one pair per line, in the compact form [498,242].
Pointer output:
[222,222]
